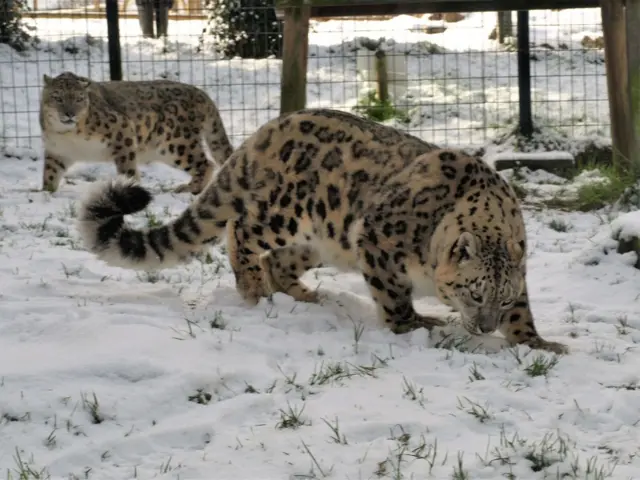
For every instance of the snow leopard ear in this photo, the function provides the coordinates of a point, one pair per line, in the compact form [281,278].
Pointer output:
[464,248]
[516,250]
[84,82]
[47,80]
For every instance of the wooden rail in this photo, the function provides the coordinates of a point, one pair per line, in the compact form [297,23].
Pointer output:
[354,8]
[182,10]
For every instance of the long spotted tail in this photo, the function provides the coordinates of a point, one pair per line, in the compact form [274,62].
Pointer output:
[105,233]
[216,139]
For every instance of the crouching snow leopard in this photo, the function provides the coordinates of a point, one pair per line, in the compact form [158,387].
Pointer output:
[130,123]
[320,187]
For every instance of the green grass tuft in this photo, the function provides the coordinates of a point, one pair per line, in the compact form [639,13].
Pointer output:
[598,194]
[371,107]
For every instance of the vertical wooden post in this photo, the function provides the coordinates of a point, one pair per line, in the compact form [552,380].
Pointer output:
[382,77]
[524,74]
[615,52]
[113,33]
[192,7]
[293,87]
[632,20]
[504,26]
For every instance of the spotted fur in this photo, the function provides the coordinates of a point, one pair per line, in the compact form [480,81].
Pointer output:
[319,187]
[130,123]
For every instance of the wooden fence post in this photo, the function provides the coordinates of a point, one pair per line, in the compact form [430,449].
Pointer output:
[504,26]
[525,126]
[632,20]
[113,32]
[615,52]
[382,76]
[293,88]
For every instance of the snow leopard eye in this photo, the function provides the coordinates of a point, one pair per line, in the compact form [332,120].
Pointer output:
[507,304]
[476,298]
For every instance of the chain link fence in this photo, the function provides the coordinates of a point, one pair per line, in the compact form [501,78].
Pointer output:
[452,81]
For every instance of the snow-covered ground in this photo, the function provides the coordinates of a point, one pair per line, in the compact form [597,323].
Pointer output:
[461,88]
[109,374]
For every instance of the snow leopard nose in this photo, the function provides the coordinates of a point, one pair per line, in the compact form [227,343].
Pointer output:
[484,328]
[487,323]
[68,117]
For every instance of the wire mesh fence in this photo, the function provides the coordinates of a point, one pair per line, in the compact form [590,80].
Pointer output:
[451,81]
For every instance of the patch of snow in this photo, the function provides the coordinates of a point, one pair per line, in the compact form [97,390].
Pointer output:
[190,382]
[519,156]
[589,176]
[541,177]
[626,226]
[537,183]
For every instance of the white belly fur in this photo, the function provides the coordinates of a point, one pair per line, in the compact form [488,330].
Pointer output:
[78,149]
[329,250]
[423,286]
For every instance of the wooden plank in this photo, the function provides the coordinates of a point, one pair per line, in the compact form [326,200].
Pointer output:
[357,3]
[354,8]
[113,33]
[92,14]
[524,75]
[382,78]
[549,161]
[504,26]
[615,52]
[632,20]
[293,88]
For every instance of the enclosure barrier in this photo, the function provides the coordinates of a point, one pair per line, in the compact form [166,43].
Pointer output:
[622,52]
[463,94]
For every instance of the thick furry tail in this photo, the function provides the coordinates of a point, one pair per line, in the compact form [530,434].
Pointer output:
[216,140]
[105,233]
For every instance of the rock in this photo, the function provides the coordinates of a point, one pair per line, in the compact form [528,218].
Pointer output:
[453,17]
[630,244]
[432,29]
[588,42]
[592,154]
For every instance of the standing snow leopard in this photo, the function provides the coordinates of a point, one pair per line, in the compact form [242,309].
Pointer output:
[320,187]
[130,123]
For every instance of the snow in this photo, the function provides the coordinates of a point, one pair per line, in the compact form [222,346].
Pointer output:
[107,373]
[519,156]
[73,327]
[626,225]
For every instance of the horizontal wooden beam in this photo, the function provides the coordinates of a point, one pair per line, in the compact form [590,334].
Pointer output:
[100,14]
[356,8]
[549,161]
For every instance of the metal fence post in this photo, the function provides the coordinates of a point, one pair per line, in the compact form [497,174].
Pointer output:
[524,74]
[113,31]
